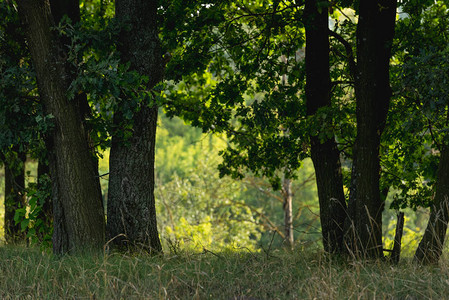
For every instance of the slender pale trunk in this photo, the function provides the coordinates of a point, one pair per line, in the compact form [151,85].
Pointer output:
[288,212]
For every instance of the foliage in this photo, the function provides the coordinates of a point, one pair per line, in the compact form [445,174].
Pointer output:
[31,218]
[105,80]
[237,70]
[21,116]
[239,90]
[417,122]
[191,198]
[197,209]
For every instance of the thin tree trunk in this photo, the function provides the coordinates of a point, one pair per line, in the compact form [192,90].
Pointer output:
[79,223]
[14,196]
[396,252]
[325,154]
[131,205]
[373,92]
[288,212]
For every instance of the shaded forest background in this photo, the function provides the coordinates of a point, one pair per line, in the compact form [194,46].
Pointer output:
[196,208]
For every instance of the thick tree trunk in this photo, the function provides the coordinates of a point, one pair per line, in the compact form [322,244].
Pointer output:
[325,154]
[131,205]
[373,92]
[431,246]
[14,196]
[79,223]
[288,212]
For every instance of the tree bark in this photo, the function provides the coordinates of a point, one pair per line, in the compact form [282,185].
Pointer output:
[14,196]
[325,154]
[131,205]
[373,92]
[431,246]
[397,244]
[79,223]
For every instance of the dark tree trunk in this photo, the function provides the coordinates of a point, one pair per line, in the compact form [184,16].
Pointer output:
[287,195]
[131,205]
[71,9]
[46,214]
[431,246]
[325,154]
[79,223]
[14,195]
[396,252]
[373,92]
[60,8]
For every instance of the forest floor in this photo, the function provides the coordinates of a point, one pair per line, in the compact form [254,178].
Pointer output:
[28,273]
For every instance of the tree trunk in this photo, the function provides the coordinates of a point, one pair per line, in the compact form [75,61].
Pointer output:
[14,195]
[78,211]
[288,212]
[373,92]
[431,246]
[325,154]
[397,244]
[131,207]
[46,214]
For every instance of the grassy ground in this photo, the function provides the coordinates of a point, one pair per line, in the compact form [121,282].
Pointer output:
[28,273]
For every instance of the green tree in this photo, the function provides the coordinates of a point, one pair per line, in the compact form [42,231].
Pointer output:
[413,157]
[78,211]
[271,131]
[22,120]
[373,93]
[324,153]
[16,116]
[131,204]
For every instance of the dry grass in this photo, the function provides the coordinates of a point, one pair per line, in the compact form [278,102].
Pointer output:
[28,273]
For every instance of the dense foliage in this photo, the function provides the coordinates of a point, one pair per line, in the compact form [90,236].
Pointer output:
[236,70]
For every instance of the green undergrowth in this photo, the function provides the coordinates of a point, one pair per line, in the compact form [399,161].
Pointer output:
[27,273]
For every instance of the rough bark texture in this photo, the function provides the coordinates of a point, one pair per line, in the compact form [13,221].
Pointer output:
[288,212]
[14,196]
[431,246]
[131,208]
[79,223]
[373,92]
[325,154]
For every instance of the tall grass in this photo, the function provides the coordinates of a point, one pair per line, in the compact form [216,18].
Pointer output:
[301,274]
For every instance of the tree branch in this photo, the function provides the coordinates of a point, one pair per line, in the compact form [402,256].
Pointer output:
[349,53]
